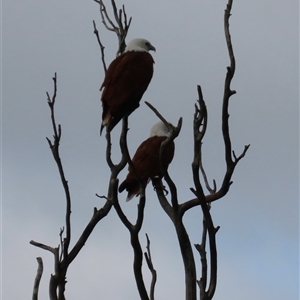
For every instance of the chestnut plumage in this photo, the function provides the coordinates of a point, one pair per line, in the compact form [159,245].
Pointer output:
[146,160]
[125,82]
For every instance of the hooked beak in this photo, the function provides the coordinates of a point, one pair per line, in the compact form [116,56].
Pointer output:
[152,48]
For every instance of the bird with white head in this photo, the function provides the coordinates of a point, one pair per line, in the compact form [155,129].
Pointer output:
[146,160]
[126,80]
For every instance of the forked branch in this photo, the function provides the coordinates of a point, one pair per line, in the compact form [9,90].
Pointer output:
[230,162]
[62,256]
[121,25]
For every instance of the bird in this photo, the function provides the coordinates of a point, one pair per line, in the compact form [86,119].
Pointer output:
[126,80]
[146,160]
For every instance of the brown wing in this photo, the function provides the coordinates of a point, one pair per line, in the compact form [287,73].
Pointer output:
[127,78]
[146,158]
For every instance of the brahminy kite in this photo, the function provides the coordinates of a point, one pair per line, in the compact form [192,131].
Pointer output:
[126,80]
[146,160]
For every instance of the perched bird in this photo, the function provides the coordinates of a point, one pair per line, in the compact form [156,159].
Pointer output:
[146,160]
[125,82]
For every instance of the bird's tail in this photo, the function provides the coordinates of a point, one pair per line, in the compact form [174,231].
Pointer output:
[132,187]
[101,128]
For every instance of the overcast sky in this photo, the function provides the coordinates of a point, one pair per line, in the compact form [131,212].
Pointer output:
[258,243]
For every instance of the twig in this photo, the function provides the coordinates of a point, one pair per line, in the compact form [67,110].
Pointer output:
[101,47]
[51,102]
[105,17]
[200,125]
[199,130]
[120,28]
[167,124]
[227,89]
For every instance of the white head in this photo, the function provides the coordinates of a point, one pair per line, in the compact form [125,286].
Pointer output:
[139,45]
[159,129]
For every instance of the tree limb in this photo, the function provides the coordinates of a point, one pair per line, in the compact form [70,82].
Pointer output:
[101,47]
[207,295]
[151,268]
[120,28]
[37,280]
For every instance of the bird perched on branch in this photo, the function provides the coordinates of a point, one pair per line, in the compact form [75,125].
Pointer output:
[146,160]
[125,82]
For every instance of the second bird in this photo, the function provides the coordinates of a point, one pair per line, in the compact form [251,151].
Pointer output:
[146,160]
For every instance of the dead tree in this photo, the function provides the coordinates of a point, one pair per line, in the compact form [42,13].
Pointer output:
[175,209]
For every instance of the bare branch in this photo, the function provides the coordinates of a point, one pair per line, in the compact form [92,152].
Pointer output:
[37,280]
[228,39]
[213,189]
[207,295]
[200,126]
[117,17]
[43,246]
[151,268]
[202,251]
[120,28]
[168,125]
[58,278]
[101,46]
[98,215]
[230,163]
[105,17]
[51,102]
[237,159]
[225,115]
[55,151]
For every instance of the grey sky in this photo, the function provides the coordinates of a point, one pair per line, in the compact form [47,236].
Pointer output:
[258,242]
